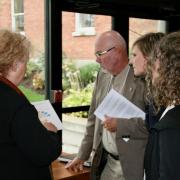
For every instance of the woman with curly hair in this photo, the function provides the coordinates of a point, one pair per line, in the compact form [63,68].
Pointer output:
[27,147]
[163,150]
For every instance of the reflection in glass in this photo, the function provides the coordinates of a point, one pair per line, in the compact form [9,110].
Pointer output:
[19,23]
[18,6]
[86,20]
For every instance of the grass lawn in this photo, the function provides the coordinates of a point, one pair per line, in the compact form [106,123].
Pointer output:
[31,95]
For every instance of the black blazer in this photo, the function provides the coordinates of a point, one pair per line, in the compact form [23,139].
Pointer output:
[162,155]
[151,116]
[26,147]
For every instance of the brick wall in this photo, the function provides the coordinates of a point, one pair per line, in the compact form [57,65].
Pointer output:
[5,14]
[34,23]
[81,47]
[139,27]
[75,47]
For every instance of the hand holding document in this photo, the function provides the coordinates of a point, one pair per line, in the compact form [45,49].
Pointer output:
[49,126]
[117,106]
[46,112]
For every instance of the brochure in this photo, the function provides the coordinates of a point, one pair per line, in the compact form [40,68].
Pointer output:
[47,112]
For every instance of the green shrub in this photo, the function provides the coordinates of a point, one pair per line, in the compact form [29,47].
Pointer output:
[78,78]
[34,77]
[35,66]
[79,98]
[88,73]
[78,85]
[68,69]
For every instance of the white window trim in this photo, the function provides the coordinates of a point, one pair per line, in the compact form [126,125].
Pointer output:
[79,31]
[13,15]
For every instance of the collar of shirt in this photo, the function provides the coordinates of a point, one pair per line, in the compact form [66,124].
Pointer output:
[166,110]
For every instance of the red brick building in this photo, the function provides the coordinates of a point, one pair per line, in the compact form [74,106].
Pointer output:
[33,23]
[79,31]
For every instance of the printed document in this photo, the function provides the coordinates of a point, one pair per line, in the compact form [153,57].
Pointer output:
[117,106]
[47,112]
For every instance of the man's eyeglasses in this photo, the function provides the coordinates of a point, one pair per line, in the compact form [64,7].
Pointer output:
[100,53]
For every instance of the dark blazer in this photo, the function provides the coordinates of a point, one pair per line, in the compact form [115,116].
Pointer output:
[162,155]
[26,147]
[151,116]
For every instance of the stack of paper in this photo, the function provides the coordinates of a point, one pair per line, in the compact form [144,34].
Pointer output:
[117,106]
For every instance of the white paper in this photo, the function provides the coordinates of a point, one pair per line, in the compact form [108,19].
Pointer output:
[47,112]
[117,106]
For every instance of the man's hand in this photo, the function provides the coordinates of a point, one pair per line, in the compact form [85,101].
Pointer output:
[75,165]
[110,123]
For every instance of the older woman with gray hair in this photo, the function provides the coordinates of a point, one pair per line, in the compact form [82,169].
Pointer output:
[27,146]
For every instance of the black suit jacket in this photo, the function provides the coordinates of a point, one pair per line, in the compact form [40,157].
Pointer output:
[163,150]
[151,116]
[26,147]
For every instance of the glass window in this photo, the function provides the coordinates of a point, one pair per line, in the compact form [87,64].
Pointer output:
[86,20]
[18,15]
[18,6]
[139,27]
[19,23]
[79,71]
[84,24]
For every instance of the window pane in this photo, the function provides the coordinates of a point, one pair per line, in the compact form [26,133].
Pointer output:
[18,6]
[32,26]
[79,72]
[79,65]
[86,20]
[139,27]
[19,23]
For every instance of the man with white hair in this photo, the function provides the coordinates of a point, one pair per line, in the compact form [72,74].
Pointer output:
[117,145]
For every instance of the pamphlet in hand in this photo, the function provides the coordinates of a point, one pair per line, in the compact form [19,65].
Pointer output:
[47,112]
[117,106]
